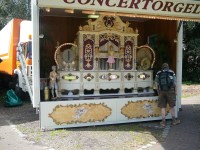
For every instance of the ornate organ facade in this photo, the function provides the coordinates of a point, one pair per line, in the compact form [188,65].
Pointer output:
[91,74]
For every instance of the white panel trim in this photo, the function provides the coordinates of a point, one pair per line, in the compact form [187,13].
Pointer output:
[179,57]
[35,48]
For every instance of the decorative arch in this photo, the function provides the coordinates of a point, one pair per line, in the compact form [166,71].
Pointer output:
[154,56]
[72,44]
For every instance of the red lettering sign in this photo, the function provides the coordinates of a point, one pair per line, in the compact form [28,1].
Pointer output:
[157,5]
[194,12]
[135,4]
[146,4]
[168,6]
[180,8]
[188,7]
[154,5]
[107,3]
[99,1]
[87,1]
[121,2]
[69,2]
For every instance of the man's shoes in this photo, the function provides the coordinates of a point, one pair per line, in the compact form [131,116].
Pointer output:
[175,121]
[163,123]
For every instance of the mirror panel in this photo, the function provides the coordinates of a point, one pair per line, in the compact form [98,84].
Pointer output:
[143,76]
[109,77]
[88,77]
[70,77]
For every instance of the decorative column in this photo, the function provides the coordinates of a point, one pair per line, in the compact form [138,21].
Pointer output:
[81,77]
[121,67]
[135,58]
[96,40]
[135,84]
[122,76]
[96,53]
[97,83]
[96,58]
[81,89]
[135,48]
[122,88]
[80,45]
[151,88]
[122,41]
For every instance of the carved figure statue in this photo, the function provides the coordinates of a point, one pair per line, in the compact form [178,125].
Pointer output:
[64,66]
[111,58]
[128,29]
[122,51]
[96,50]
[73,66]
[80,27]
[136,31]
[89,26]
[53,85]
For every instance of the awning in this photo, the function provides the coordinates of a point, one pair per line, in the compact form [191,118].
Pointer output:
[153,9]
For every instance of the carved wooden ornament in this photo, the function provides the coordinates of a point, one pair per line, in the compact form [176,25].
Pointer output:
[84,113]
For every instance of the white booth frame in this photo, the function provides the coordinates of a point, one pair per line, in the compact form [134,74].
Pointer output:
[36,65]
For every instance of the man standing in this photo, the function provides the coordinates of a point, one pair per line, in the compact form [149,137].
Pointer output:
[166,85]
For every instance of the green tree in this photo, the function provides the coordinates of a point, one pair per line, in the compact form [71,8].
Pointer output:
[44,53]
[9,9]
[153,43]
[191,51]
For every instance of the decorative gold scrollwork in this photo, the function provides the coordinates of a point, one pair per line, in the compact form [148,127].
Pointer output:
[109,77]
[129,76]
[70,77]
[143,76]
[88,77]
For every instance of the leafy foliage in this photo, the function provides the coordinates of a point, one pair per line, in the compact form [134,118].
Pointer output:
[191,52]
[44,57]
[164,48]
[9,9]
[161,48]
[153,41]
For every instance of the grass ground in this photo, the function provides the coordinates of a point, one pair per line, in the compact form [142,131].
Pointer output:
[190,83]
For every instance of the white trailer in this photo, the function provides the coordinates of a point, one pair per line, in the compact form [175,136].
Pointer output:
[97,109]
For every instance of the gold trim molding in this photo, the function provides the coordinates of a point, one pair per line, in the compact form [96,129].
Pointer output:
[81,113]
[142,109]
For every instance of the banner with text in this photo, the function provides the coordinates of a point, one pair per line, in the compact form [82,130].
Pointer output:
[173,8]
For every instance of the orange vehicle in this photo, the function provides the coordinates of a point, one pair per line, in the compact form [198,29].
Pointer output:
[11,35]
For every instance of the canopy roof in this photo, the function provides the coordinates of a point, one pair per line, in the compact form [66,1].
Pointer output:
[155,9]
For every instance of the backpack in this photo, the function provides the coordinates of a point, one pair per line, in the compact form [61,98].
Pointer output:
[166,81]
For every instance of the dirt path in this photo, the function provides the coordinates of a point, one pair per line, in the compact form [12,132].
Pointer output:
[190,89]
[11,140]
